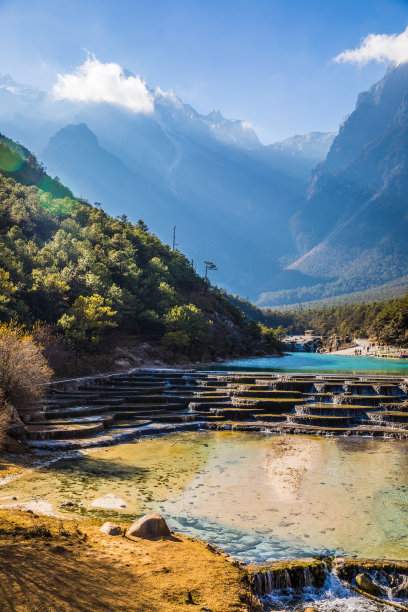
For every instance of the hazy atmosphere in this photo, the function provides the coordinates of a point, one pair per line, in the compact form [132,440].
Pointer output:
[203,306]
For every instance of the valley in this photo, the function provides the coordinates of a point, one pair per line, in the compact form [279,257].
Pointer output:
[203,306]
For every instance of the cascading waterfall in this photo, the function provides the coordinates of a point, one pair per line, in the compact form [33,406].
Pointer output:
[329,587]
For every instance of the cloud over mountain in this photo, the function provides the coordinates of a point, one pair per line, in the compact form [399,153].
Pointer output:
[391,48]
[94,81]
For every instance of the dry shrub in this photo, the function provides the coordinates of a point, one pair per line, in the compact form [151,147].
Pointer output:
[56,351]
[23,368]
[5,416]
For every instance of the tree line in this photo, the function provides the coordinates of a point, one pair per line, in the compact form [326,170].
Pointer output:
[385,322]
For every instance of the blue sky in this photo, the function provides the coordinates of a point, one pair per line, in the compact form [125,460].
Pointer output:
[265,61]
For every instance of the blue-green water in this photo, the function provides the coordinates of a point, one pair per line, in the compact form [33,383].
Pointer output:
[319,362]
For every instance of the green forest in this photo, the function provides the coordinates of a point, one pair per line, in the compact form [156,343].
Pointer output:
[76,277]
[386,322]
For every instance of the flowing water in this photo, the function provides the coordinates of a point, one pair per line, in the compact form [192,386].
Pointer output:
[260,497]
[320,362]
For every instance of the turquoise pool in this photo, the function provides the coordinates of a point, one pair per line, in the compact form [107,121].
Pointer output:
[319,362]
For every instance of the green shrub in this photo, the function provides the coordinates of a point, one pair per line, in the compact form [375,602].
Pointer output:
[188,329]
[87,319]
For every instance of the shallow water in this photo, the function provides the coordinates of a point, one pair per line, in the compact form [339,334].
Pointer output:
[320,362]
[258,496]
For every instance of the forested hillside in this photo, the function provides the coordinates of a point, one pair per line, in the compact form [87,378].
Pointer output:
[70,269]
[386,322]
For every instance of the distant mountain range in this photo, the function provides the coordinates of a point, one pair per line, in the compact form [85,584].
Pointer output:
[351,231]
[230,197]
[309,218]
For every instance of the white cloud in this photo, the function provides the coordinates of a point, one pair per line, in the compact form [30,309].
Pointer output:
[391,48]
[95,81]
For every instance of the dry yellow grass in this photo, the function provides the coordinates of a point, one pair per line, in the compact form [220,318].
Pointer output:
[47,566]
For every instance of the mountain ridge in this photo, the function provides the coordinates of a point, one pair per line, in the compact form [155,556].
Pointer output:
[351,229]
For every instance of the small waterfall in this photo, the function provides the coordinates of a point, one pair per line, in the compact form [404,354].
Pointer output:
[375,418]
[292,578]
[186,418]
[267,382]
[404,387]
[330,586]
[389,579]
[242,401]
[302,410]
[339,399]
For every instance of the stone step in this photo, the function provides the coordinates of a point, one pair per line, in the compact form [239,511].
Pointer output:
[107,420]
[208,416]
[270,393]
[127,391]
[144,414]
[299,385]
[208,406]
[398,407]
[370,400]
[138,408]
[335,409]
[394,416]
[275,418]
[215,399]
[62,432]
[273,404]
[238,414]
[155,399]
[175,417]
[320,420]
[60,413]
[114,436]
[88,401]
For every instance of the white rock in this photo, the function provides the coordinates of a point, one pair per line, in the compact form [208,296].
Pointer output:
[111,529]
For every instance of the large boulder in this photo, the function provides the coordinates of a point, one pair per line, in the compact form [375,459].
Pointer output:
[149,527]
[364,582]
[111,529]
